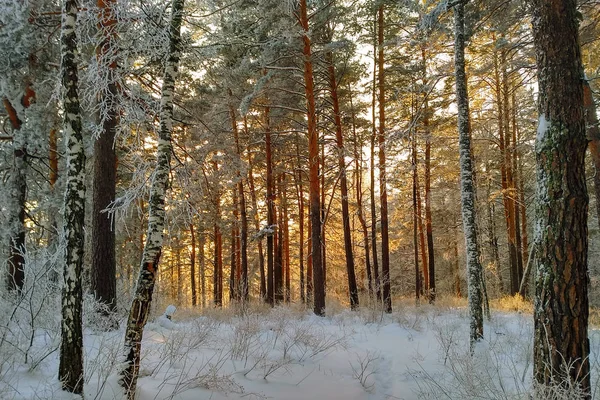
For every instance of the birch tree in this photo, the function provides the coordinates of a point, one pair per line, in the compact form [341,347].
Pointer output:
[467,187]
[70,370]
[561,344]
[142,299]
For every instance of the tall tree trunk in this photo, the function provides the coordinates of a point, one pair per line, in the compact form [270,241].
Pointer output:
[233,277]
[492,236]
[508,201]
[418,285]
[17,200]
[278,244]
[350,270]
[561,344]
[515,188]
[474,270]
[385,242]
[372,175]
[202,267]
[142,300]
[261,257]
[103,267]
[193,265]
[286,245]
[218,256]
[313,156]
[428,219]
[358,167]
[418,211]
[309,265]
[270,211]
[300,194]
[70,369]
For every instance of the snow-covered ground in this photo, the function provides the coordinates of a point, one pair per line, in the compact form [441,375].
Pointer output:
[290,354]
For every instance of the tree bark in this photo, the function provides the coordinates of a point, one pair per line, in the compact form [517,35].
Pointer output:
[313,155]
[358,168]
[103,267]
[70,369]
[474,270]
[561,344]
[193,265]
[142,300]
[428,219]
[385,243]
[261,257]
[270,211]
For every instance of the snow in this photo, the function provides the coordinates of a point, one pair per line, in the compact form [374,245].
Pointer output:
[288,353]
[543,126]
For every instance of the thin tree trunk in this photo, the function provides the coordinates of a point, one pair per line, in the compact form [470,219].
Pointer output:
[474,270]
[350,269]
[278,244]
[140,306]
[422,244]
[201,243]
[218,256]
[233,277]
[428,219]
[507,198]
[70,369]
[385,244]
[193,265]
[372,177]
[270,211]
[261,257]
[313,155]
[418,286]
[561,344]
[359,204]
[286,245]
[17,200]
[300,194]
[492,236]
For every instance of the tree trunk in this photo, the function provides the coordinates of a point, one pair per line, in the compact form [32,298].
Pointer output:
[201,243]
[193,265]
[474,270]
[350,269]
[300,194]
[218,256]
[313,156]
[17,201]
[261,257]
[70,369]
[270,211]
[418,285]
[561,344]
[428,219]
[385,243]
[103,267]
[372,173]
[507,195]
[278,244]
[142,300]
[493,237]
[359,204]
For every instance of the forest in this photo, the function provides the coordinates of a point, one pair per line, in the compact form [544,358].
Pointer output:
[358,199]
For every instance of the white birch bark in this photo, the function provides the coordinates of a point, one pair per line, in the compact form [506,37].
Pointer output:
[71,348]
[142,299]
[467,187]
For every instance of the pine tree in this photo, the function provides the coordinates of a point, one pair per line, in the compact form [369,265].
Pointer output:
[561,344]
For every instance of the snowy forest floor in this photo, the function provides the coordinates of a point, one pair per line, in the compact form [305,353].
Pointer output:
[289,353]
